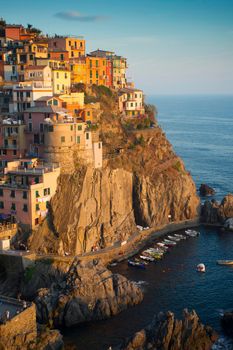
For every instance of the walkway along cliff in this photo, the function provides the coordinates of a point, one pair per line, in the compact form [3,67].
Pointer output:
[142,181]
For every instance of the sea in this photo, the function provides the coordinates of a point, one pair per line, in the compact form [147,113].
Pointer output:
[200,129]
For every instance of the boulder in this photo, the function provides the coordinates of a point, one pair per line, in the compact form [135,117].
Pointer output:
[227,323]
[214,212]
[167,333]
[206,190]
[90,292]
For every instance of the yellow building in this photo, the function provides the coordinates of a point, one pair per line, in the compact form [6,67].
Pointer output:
[61,80]
[96,70]
[78,71]
[74,45]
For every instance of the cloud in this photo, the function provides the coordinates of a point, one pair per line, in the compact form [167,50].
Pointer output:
[77,16]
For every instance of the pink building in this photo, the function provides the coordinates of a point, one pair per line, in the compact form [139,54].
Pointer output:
[26,189]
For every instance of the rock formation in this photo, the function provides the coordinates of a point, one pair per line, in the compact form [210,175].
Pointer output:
[206,190]
[88,292]
[217,213]
[167,333]
[227,323]
[142,182]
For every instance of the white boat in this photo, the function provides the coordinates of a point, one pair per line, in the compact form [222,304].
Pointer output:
[191,233]
[147,258]
[176,239]
[167,241]
[180,236]
[225,262]
[162,246]
[201,268]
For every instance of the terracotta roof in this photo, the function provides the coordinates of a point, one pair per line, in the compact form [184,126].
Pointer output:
[46,98]
[35,67]
[46,109]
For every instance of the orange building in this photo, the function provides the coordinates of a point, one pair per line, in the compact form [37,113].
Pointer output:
[78,71]
[96,70]
[74,45]
[18,32]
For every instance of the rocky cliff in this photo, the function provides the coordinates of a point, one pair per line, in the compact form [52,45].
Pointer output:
[214,212]
[167,333]
[142,182]
[87,292]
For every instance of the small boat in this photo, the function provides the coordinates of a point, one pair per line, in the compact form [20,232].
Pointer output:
[201,268]
[161,246]
[167,241]
[139,265]
[147,258]
[192,233]
[225,262]
[176,239]
[180,236]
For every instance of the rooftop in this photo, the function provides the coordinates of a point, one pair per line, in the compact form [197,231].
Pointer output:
[46,109]
[35,67]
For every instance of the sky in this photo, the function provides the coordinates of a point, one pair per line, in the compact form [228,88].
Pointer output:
[172,46]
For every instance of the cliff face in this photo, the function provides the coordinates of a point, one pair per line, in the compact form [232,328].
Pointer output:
[88,292]
[142,182]
[165,332]
[216,213]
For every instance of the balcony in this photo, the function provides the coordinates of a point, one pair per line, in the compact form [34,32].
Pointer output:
[10,146]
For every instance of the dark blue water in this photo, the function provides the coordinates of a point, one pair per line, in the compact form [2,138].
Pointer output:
[200,129]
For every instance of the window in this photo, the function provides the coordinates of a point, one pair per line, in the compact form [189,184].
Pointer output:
[78,139]
[96,63]
[41,127]
[50,128]
[62,57]
[63,139]
[36,221]
[29,115]
[69,43]
[87,136]
[14,152]
[12,194]
[88,113]
[30,127]
[79,127]
[97,75]
[37,179]
[1,192]
[37,194]
[37,207]
[1,205]
[57,86]
[71,138]
[25,207]
[65,75]
[71,127]
[99,145]
[57,75]
[13,206]
[25,195]
[27,93]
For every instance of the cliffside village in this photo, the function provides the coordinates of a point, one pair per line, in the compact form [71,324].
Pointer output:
[43,118]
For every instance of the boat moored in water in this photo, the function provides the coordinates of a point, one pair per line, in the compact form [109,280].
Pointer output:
[201,267]
[139,265]
[225,262]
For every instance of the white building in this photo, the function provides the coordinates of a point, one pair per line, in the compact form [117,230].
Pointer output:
[130,102]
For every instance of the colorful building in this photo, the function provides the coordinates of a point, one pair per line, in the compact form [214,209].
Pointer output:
[26,189]
[78,69]
[74,45]
[96,70]
[130,102]
[61,81]
[12,139]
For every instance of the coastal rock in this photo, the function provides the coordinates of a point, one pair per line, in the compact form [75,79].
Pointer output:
[217,213]
[144,184]
[89,292]
[167,333]
[227,323]
[228,224]
[206,190]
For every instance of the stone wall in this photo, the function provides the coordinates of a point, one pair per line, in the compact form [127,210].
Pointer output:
[23,324]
